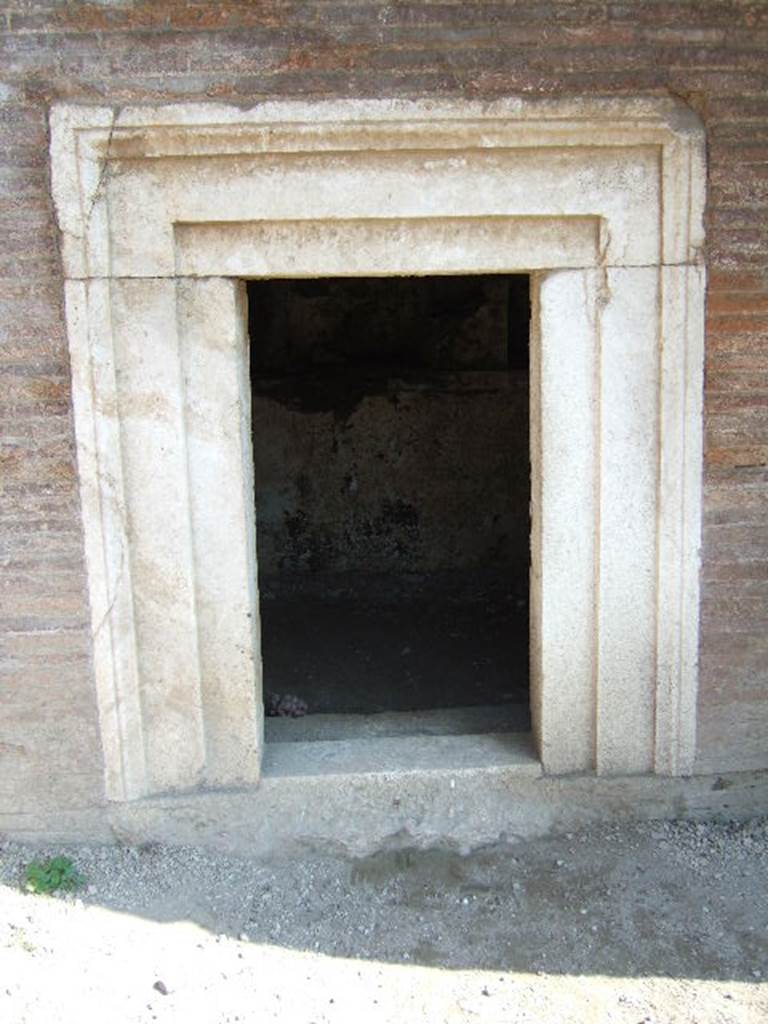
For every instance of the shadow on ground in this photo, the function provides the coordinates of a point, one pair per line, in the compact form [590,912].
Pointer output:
[675,900]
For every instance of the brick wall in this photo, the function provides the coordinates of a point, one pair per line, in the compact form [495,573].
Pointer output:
[713,55]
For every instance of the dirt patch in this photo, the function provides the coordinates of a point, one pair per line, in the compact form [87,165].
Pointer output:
[657,922]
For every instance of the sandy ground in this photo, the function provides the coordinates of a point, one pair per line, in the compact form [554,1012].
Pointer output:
[663,922]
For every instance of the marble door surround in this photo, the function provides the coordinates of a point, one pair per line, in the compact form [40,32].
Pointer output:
[164,211]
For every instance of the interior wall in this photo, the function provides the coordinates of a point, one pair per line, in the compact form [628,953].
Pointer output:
[390,422]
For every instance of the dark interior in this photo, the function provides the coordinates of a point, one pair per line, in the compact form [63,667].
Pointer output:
[390,437]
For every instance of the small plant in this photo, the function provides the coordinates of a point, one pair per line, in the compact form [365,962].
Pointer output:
[50,875]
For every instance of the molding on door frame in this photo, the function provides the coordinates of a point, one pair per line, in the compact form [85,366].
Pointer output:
[163,208]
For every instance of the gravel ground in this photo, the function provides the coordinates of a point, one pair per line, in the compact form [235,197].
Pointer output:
[660,922]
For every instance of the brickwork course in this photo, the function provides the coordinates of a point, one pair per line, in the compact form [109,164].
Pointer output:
[712,54]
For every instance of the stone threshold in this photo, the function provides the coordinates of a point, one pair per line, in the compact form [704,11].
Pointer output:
[401,756]
[457,793]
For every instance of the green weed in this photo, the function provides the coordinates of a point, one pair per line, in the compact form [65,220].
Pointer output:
[51,875]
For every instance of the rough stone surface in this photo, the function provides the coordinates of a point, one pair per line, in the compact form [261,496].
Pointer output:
[713,56]
[460,792]
[430,473]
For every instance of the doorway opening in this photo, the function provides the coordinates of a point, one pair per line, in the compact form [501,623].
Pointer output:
[392,483]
